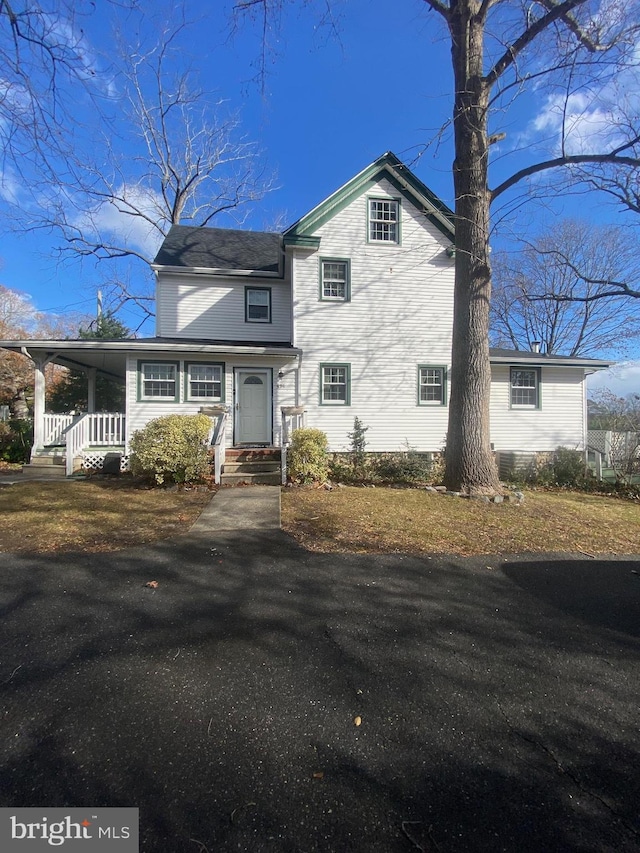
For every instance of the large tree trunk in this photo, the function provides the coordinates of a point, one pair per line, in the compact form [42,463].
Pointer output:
[469,461]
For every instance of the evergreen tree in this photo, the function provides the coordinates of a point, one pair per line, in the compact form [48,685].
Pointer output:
[71,393]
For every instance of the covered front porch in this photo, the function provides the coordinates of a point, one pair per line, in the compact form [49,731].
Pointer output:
[161,376]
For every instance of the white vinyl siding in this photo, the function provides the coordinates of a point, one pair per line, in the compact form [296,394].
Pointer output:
[199,307]
[560,420]
[140,412]
[399,316]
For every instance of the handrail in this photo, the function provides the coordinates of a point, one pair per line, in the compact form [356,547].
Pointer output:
[77,437]
[218,440]
[292,418]
[55,427]
[105,429]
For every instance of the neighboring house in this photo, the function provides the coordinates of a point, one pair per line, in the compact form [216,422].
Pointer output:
[349,312]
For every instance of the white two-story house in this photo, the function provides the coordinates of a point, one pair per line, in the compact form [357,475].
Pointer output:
[347,313]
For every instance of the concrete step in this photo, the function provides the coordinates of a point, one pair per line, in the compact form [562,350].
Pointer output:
[265,478]
[49,457]
[44,470]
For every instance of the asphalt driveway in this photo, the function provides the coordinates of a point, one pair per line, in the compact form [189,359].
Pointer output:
[498,700]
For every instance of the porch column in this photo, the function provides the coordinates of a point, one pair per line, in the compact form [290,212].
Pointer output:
[91,389]
[40,363]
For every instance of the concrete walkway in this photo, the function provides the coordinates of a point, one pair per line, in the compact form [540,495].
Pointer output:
[240,508]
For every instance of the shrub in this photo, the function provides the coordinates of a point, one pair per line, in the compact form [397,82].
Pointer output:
[358,444]
[404,467]
[307,457]
[16,438]
[564,467]
[172,449]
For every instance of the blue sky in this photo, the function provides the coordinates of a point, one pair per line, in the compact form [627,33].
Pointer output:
[329,108]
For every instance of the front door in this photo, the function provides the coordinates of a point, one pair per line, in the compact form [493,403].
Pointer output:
[253,406]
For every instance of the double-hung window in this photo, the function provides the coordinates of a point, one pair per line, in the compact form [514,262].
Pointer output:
[525,388]
[204,382]
[384,220]
[257,304]
[335,384]
[432,385]
[158,380]
[334,280]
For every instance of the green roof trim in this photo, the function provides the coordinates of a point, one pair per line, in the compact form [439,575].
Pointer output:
[302,240]
[402,179]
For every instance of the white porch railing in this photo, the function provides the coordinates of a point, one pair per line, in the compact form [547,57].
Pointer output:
[55,427]
[103,429]
[292,418]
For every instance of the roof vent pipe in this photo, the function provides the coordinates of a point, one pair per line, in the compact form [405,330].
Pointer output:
[535,346]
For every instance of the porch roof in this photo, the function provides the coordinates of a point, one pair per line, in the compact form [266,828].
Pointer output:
[109,357]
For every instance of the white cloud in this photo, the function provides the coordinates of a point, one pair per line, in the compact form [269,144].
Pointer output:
[622,379]
[129,221]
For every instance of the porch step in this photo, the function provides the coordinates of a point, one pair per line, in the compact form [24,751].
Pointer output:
[252,465]
[44,470]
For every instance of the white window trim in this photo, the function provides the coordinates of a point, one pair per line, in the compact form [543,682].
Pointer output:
[442,385]
[158,398]
[199,399]
[527,407]
[371,220]
[347,383]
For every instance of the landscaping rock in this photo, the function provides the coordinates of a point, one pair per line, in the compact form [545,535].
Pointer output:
[498,499]
[482,498]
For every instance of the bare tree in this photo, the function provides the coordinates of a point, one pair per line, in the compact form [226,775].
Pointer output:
[501,49]
[169,153]
[539,297]
[48,67]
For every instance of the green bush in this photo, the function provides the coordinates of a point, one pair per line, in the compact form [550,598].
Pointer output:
[16,438]
[409,467]
[404,467]
[172,449]
[564,467]
[307,456]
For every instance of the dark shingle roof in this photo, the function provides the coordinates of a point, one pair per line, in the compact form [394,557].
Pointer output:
[221,248]
[519,356]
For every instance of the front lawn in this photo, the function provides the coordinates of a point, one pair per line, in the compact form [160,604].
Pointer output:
[92,515]
[412,520]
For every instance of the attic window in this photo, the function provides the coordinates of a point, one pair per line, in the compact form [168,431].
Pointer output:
[384,220]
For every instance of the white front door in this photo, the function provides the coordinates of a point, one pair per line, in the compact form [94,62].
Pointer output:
[253,406]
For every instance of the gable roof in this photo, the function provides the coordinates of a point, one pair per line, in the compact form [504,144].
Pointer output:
[192,248]
[405,182]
